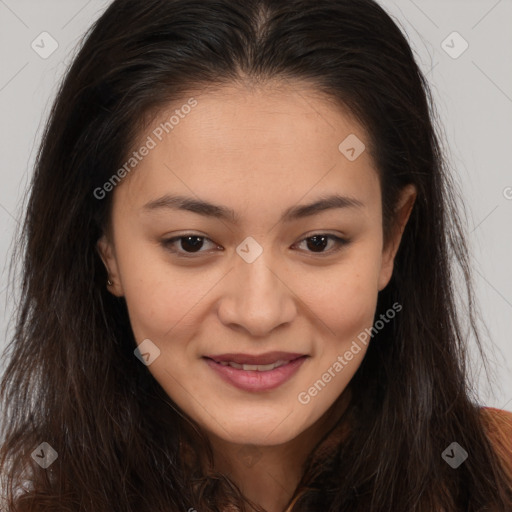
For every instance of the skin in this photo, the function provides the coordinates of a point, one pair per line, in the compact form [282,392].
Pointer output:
[257,151]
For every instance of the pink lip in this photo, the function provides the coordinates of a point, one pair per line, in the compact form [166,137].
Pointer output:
[253,380]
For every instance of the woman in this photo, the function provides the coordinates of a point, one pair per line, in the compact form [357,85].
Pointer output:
[237,284]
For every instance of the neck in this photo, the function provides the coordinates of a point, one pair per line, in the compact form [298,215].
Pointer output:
[269,475]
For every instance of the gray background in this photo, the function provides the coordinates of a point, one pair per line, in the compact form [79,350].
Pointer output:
[473,94]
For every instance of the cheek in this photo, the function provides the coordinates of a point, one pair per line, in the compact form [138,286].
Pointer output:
[163,304]
[345,298]
[159,296]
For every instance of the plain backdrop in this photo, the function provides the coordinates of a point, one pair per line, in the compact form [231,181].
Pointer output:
[463,46]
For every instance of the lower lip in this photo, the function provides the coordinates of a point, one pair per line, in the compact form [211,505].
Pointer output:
[253,380]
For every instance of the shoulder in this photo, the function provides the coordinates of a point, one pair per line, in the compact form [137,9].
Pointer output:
[498,427]
[498,422]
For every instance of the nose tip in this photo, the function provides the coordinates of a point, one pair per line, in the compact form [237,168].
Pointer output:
[260,300]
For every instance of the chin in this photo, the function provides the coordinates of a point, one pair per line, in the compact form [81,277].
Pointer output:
[260,433]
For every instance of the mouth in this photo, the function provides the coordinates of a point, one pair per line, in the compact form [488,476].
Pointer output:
[256,373]
[255,360]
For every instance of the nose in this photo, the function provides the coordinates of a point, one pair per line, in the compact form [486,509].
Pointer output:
[259,297]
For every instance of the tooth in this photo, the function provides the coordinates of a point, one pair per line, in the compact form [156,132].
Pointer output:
[254,367]
[250,366]
[263,367]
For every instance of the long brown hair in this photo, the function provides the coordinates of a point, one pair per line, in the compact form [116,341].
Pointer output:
[72,380]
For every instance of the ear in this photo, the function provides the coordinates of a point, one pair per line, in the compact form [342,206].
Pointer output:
[105,248]
[401,216]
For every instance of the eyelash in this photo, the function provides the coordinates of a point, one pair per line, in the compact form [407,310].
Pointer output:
[169,242]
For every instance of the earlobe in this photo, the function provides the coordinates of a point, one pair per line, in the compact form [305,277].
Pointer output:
[107,254]
[402,213]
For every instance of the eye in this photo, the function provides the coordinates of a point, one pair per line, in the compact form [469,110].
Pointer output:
[190,244]
[317,242]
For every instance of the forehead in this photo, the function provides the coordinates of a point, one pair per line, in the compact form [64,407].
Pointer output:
[247,145]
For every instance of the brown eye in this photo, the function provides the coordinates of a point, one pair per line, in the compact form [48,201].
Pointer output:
[318,242]
[188,244]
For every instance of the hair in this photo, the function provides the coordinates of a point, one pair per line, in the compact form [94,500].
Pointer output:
[72,379]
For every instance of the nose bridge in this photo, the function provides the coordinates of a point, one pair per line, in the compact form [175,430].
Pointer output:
[258,280]
[261,300]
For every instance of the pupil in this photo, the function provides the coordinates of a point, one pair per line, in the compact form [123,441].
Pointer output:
[194,245]
[317,245]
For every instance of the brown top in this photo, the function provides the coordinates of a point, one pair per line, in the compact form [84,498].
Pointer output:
[498,424]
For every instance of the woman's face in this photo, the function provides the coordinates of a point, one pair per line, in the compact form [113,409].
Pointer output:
[247,165]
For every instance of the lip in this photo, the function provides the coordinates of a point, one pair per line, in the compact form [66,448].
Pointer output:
[254,380]
[267,358]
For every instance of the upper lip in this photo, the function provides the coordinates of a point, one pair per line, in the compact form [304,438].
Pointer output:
[267,358]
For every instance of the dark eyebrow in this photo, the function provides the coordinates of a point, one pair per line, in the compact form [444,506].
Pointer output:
[177,202]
